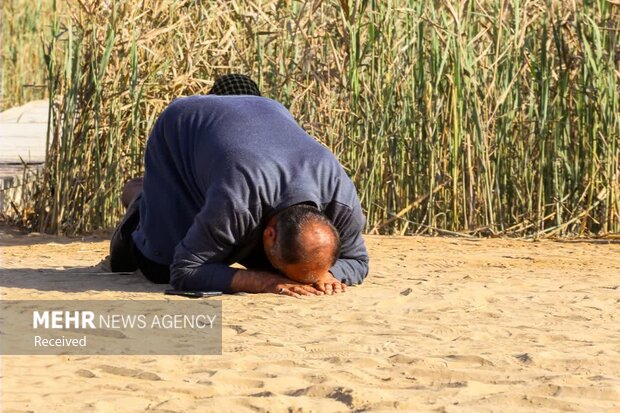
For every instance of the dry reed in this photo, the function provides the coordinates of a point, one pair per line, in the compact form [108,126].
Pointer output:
[478,117]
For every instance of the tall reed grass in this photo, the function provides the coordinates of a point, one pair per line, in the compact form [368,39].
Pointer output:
[482,117]
[24,28]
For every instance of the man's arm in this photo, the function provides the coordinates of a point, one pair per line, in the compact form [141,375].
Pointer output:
[352,265]
[197,272]
[199,262]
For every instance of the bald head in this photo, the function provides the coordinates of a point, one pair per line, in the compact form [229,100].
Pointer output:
[316,241]
[305,239]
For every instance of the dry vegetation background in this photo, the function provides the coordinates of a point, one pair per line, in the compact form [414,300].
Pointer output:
[486,117]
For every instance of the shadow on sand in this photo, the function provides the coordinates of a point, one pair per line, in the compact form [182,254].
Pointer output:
[12,236]
[77,279]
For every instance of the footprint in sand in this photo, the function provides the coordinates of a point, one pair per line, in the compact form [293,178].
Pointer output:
[404,359]
[341,394]
[578,392]
[322,348]
[234,382]
[529,402]
[125,372]
[85,373]
[444,333]
[468,360]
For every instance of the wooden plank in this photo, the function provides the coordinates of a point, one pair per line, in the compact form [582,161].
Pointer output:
[32,112]
[23,133]
[25,140]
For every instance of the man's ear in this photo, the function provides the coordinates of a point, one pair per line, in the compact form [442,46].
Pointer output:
[270,232]
[269,235]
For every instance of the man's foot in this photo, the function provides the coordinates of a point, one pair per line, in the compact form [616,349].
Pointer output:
[131,190]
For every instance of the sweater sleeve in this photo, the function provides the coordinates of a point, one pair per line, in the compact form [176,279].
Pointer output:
[199,262]
[352,265]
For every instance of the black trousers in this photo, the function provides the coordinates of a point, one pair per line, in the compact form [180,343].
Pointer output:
[125,256]
[153,271]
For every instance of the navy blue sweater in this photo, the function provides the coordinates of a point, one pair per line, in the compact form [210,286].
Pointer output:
[216,169]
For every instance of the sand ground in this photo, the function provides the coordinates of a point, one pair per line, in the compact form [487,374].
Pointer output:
[441,325]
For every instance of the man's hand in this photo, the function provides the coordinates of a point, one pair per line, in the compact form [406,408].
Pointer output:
[291,288]
[266,282]
[327,284]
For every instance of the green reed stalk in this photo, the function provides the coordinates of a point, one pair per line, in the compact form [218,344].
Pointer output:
[491,117]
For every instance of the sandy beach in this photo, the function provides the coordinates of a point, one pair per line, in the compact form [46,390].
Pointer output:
[440,325]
